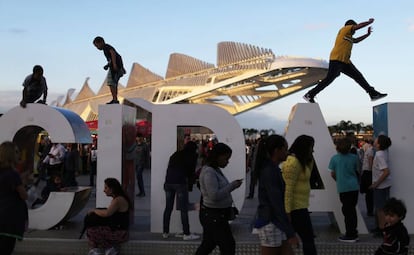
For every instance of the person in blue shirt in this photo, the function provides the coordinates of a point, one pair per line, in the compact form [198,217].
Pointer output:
[344,170]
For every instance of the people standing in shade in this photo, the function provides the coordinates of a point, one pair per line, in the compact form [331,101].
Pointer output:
[344,170]
[253,175]
[71,165]
[396,239]
[34,86]
[44,148]
[141,162]
[84,150]
[216,201]
[381,178]
[178,180]
[93,161]
[366,176]
[340,61]
[13,209]
[115,66]
[276,233]
[296,171]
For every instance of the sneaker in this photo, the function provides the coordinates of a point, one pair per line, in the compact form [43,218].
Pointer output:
[96,251]
[190,237]
[377,96]
[141,194]
[165,235]
[348,239]
[113,102]
[111,251]
[309,98]
[179,234]
[23,104]
[377,235]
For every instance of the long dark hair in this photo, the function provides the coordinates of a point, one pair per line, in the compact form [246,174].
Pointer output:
[302,147]
[117,189]
[265,149]
[218,150]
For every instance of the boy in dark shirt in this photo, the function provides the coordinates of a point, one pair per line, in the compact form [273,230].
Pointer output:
[34,86]
[115,65]
[396,238]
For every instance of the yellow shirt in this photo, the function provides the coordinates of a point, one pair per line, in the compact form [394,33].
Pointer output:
[297,188]
[343,45]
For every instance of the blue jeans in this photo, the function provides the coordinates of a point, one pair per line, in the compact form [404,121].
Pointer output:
[181,190]
[140,180]
[380,197]
[302,224]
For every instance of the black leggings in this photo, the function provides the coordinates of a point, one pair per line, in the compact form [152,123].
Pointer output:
[7,244]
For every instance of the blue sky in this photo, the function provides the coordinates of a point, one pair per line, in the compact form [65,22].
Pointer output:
[58,35]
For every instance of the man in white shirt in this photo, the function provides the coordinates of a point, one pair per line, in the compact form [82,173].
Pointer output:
[54,159]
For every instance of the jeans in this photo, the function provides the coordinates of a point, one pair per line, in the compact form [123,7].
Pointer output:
[216,232]
[182,204]
[92,173]
[302,224]
[366,181]
[139,169]
[380,197]
[253,182]
[335,69]
[349,201]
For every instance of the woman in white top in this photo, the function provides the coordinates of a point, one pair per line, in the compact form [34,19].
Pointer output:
[381,179]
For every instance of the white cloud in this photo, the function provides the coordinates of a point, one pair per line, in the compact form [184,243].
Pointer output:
[410,23]
[316,26]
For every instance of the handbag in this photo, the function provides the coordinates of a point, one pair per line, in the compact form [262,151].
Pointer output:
[232,213]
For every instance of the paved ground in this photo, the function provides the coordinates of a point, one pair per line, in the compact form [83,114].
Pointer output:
[326,231]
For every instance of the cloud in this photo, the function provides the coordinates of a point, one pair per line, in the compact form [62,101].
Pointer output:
[410,24]
[15,30]
[316,26]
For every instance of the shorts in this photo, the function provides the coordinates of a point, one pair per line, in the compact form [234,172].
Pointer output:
[380,197]
[271,236]
[112,78]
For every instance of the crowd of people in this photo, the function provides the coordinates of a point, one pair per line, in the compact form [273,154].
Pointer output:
[282,173]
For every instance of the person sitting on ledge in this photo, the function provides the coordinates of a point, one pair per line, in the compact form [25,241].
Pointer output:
[113,226]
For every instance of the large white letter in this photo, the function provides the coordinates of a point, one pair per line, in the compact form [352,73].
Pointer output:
[165,120]
[307,119]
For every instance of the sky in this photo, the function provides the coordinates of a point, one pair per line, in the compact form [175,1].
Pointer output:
[58,35]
